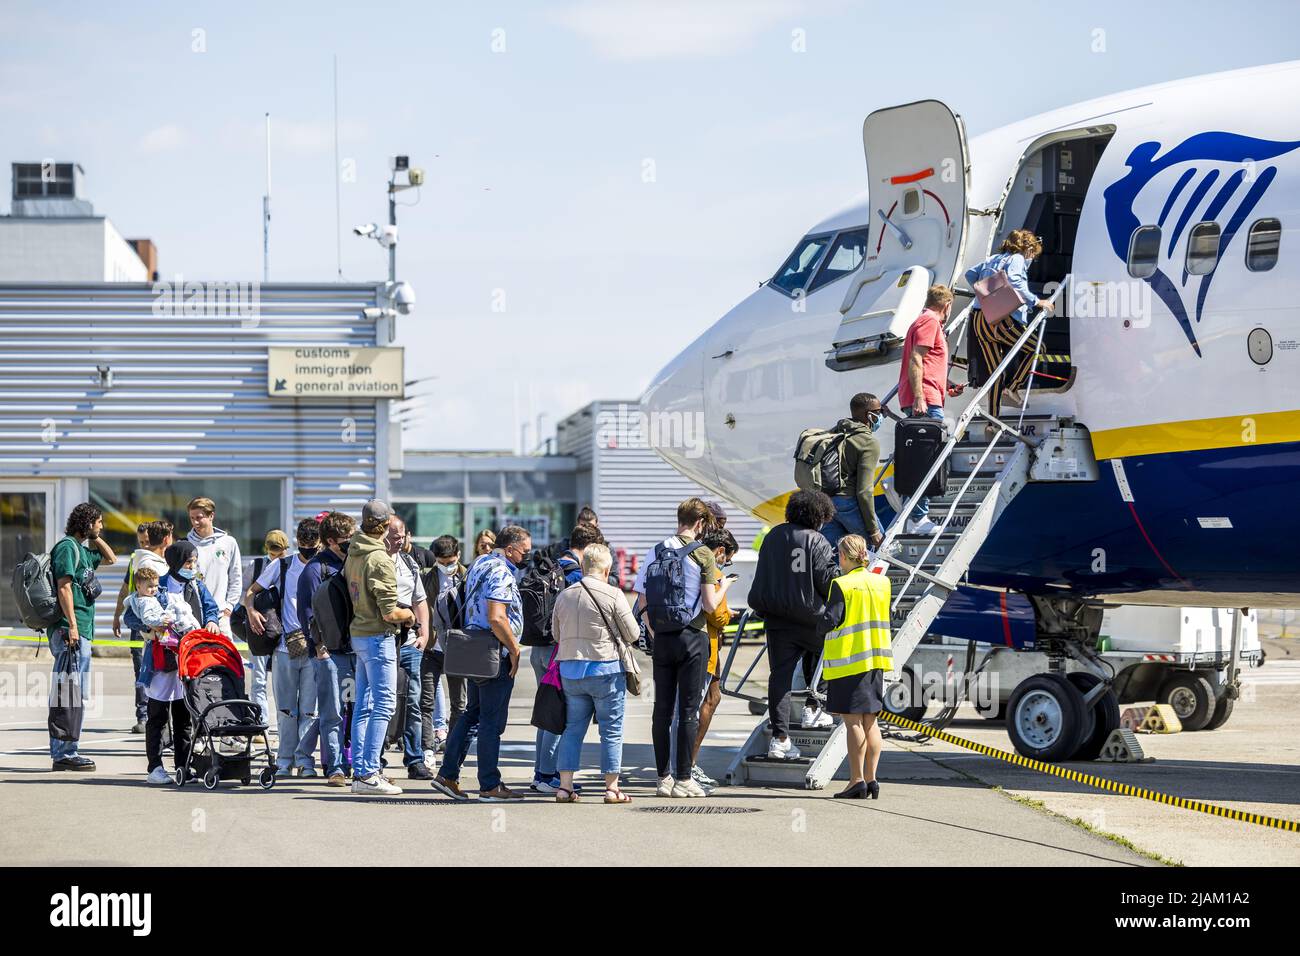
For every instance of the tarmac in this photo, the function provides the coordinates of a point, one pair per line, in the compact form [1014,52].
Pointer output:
[939,805]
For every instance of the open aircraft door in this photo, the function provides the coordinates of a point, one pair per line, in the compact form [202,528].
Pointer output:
[916,168]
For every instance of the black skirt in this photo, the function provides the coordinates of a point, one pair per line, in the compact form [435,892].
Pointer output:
[857,693]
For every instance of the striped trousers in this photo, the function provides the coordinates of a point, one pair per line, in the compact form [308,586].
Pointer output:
[995,343]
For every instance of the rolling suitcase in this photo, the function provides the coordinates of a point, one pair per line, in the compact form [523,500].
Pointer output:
[917,442]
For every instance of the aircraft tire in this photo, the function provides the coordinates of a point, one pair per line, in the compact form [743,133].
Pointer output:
[1045,718]
[1105,714]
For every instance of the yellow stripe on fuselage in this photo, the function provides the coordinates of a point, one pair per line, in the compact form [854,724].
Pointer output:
[1235,431]
[772,511]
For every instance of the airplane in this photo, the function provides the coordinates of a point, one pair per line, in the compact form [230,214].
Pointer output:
[1175,349]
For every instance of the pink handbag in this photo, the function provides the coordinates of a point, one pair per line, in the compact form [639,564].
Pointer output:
[998,297]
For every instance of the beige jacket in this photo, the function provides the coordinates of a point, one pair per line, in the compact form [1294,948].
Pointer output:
[577,625]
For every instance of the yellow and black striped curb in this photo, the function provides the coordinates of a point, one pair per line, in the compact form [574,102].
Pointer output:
[1092,780]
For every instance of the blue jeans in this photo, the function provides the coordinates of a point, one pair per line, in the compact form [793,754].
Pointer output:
[440,708]
[257,692]
[60,749]
[376,700]
[488,709]
[547,743]
[602,697]
[409,660]
[848,520]
[295,698]
[335,695]
[922,509]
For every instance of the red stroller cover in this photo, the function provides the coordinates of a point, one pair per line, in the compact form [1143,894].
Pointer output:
[202,649]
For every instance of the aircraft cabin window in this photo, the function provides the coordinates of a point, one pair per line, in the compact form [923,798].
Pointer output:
[797,270]
[1143,251]
[846,255]
[1202,248]
[1262,244]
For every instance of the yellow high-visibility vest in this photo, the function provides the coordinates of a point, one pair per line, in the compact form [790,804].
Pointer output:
[861,642]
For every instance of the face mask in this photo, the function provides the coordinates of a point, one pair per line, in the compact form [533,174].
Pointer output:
[185,574]
[345,545]
[875,426]
[308,552]
[447,568]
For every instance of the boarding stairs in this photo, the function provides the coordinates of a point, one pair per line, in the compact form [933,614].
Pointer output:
[989,463]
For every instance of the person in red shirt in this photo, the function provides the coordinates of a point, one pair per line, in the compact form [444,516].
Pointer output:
[923,380]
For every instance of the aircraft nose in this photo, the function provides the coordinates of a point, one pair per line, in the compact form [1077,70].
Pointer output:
[674,409]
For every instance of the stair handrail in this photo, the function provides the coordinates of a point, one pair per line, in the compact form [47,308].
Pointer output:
[963,421]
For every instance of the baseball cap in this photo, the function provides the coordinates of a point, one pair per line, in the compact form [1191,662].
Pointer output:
[376,510]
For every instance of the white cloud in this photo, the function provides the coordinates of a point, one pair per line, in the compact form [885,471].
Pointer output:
[662,29]
[163,139]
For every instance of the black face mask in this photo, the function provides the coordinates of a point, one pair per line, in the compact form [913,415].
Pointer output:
[308,553]
[345,545]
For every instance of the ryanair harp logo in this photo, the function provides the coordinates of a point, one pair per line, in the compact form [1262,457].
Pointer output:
[1196,169]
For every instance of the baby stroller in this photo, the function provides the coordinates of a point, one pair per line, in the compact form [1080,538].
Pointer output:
[212,674]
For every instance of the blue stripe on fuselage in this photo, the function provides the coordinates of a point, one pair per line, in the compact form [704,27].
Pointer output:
[1084,536]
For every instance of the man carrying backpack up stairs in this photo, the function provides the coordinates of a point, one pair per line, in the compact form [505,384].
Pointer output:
[678,584]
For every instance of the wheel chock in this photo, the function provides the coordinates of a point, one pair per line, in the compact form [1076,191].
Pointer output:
[1132,717]
[1122,747]
[1161,719]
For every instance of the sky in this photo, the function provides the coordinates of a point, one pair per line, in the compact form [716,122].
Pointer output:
[604,178]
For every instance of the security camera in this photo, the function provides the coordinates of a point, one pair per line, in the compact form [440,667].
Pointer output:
[402,297]
[367,230]
[388,238]
[399,163]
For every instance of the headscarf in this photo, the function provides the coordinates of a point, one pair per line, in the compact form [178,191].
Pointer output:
[177,554]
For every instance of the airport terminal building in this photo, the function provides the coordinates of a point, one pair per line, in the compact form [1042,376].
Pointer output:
[107,397]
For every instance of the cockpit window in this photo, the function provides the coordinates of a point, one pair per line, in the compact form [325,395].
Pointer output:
[797,271]
[846,254]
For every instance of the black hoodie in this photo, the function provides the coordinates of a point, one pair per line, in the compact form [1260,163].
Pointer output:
[792,582]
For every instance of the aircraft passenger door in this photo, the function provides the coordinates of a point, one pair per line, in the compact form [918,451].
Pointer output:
[916,168]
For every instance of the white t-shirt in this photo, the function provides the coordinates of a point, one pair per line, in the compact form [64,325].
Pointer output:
[270,578]
[410,589]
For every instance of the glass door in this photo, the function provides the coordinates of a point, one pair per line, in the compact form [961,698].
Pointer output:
[26,526]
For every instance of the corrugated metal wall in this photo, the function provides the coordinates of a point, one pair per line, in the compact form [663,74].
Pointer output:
[188,394]
[636,492]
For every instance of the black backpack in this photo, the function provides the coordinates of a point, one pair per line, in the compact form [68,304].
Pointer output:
[331,612]
[540,585]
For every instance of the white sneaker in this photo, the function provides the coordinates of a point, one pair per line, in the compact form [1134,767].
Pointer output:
[815,717]
[159,777]
[376,783]
[924,526]
[783,750]
[688,788]
[702,778]
[665,788]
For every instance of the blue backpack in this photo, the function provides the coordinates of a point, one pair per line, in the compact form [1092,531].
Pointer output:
[665,588]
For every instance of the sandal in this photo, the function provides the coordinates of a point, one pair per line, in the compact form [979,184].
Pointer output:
[615,795]
[571,798]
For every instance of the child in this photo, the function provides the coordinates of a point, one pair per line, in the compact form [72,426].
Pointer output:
[164,624]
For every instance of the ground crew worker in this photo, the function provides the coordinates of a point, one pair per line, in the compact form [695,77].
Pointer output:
[855,657]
